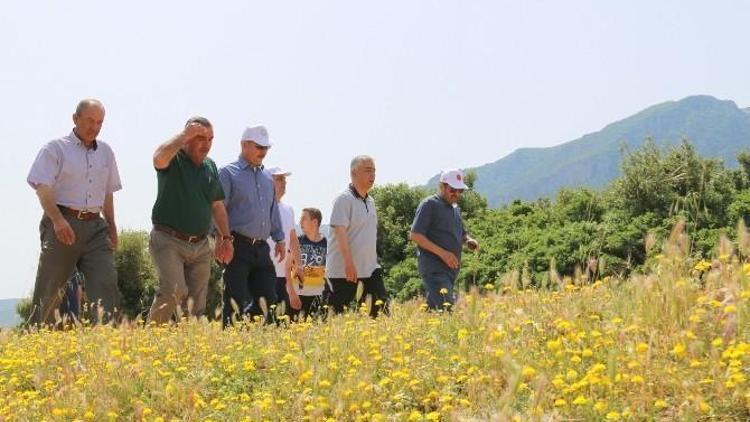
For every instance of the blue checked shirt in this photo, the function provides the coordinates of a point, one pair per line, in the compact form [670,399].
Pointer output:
[250,201]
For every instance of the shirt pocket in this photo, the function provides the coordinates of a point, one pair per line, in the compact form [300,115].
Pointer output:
[97,176]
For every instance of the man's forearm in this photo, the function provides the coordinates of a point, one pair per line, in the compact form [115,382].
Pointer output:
[220,217]
[109,209]
[47,201]
[166,151]
[423,242]
[277,231]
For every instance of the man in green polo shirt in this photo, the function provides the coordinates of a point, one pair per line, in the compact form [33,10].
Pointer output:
[189,194]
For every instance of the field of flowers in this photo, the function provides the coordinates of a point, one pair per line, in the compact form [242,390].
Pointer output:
[671,344]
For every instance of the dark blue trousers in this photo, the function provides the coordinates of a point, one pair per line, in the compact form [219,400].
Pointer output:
[249,277]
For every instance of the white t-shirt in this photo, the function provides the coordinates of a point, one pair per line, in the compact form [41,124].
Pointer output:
[287,224]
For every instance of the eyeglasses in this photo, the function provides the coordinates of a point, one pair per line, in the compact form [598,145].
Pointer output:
[260,147]
[454,191]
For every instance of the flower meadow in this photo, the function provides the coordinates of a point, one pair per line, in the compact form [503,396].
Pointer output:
[672,343]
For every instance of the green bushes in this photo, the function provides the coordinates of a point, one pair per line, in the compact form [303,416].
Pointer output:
[658,188]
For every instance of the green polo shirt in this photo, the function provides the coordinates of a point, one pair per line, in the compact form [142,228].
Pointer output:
[185,194]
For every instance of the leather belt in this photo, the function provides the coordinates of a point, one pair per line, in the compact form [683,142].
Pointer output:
[182,236]
[250,240]
[78,214]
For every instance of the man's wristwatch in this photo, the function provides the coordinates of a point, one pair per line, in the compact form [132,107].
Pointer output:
[227,237]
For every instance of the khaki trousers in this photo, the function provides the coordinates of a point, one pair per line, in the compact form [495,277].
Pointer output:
[92,253]
[184,269]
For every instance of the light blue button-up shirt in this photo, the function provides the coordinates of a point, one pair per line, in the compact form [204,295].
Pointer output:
[80,177]
[250,201]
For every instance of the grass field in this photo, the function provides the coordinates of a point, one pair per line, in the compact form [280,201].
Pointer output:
[671,344]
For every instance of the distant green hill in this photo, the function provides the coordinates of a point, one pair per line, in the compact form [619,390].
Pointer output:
[717,128]
[8,316]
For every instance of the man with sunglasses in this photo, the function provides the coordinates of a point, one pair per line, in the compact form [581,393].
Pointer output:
[250,277]
[439,233]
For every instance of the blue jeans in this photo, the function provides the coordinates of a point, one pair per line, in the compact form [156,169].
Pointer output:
[71,303]
[433,283]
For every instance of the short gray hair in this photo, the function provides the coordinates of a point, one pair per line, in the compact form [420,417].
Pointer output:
[200,120]
[356,161]
[84,105]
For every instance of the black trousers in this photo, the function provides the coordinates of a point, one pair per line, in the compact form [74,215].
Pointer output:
[311,305]
[345,292]
[249,277]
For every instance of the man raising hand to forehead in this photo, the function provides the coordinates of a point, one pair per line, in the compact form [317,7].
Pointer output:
[189,195]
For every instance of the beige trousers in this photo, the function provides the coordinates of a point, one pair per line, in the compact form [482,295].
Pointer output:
[184,269]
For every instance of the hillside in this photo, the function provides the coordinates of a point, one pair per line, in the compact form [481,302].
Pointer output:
[717,128]
[8,317]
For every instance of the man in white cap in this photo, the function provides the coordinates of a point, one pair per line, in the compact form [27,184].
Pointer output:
[439,233]
[250,277]
[284,288]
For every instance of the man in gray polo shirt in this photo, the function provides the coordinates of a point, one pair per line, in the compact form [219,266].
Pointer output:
[352,255]
[439,233]
[75,178]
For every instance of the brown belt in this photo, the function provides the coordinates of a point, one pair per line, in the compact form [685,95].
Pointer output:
[182,236]
[79,215]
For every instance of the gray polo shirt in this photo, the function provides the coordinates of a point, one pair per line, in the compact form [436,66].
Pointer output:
[358,215]
[441,223]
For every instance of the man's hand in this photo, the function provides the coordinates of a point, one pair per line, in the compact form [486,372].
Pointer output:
[112,231]
[472,244]
[294,299]
[192,131]
[450,260]
[229,254]
[63,232]
[224,251]
[351,271]
[280,251]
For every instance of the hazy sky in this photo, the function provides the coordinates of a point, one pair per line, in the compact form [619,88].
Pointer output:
[419,85]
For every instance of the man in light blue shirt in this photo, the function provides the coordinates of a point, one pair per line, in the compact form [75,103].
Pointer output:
[250,278]
[75,178]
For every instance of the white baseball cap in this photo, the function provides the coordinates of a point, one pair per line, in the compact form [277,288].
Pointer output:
[257,134]
[454,178]
[278,171]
